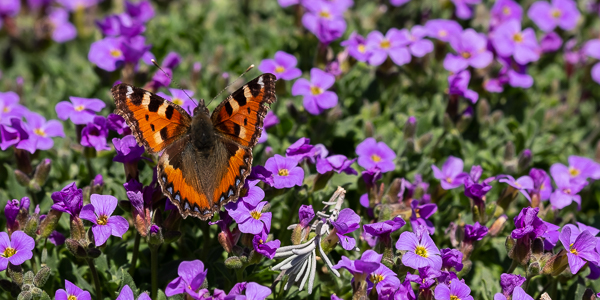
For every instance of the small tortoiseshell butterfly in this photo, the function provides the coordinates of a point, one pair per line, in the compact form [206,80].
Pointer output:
[206,157]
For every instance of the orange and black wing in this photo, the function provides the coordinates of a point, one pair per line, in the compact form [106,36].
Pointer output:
[154,121]
[238,122]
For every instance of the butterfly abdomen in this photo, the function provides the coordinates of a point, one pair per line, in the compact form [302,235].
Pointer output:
[202,132]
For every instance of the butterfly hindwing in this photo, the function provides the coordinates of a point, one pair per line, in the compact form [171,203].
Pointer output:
[240,117]
[154,121]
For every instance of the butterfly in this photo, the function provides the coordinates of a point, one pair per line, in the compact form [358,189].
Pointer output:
[206,158]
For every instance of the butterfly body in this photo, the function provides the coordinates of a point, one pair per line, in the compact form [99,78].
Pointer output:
[206,158]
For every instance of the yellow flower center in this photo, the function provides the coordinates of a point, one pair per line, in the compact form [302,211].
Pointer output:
[556,13]
[283,172]
[376,278]
[315,90]
[279,69]
[385,44]
[449,179]
[517,184]
[574,172]
[567,191]
[573,250]
[506,10]
[72,297]
[8,252]
[324,14]
[442,33]
[261,241]
[177,101]
[466,55]
[362,48]
[518,37]
[256,214]
[376,158]
[79,108]
[39,132]
[418,215]
[7,109]
[116,53]
[454,297]
[102,220]
[421,251]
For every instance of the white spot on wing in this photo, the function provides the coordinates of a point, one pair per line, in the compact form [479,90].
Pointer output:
[129,91]
[260,81]
[146,100]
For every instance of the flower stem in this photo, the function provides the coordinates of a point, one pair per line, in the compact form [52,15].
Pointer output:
[136,250]
[512,267]
[97,288]
[154,270]
[239,274]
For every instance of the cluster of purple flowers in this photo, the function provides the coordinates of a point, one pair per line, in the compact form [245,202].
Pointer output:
[324,19]
[24,129]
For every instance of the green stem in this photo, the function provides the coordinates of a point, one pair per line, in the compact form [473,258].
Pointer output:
[136,250]
[512,267]
[154,270]
[97,288]
[239,274]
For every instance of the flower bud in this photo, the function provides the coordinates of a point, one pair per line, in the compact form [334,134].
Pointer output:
[41,172]
[15,273]
[247,240]
[321,181]
[25,295]
[525,159]
[77,228]
[28,277]
[369,129]
[463,123]
[49,223]
[233,262]
[410,146]
[22,178]
[497,226]
[423,141]
[155,237]
[410,127]
[93,252]
[36,292]
[496,117]
[76,248]
[31,226]
[509,245]
[41,277]
[483,109]
[556,264]
[225,241]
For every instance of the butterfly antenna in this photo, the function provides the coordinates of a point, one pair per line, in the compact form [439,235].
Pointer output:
[249,68]
[176,83]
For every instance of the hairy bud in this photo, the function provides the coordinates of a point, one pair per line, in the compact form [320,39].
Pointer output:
[233,262]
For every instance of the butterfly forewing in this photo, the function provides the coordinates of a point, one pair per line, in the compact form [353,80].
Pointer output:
[154,121]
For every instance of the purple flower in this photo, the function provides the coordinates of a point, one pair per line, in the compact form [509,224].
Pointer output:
[451,176]
[475,232]
[338,163]
[306,213]
[373,154]
[421,214]
[383,277]
[11,211]
[580,251]
[550,42]
[13,134]
[68,200]
[456,290]
[518,294]
[561,13]
[135,48]
[251,193]
[107,53]
[474,189]
[324,19]
[94,134]
[542,185]
[566,189]
[418,45]
[116,123]
[522,184]
[127,294]
[357,47]
[528,224]
[508,282]
[63,30]
[9,8]
[300,150]
[72,291]
[10,107]
[443,29]
[550,235]
[471,50]
[251,219]
[250,290]
[56,238]
[464,9]
[451,258]
[393,44]
[141,11]
[40,133]
[505,10]
[368,262]
[79,110]
[592,49]
[285,172]
[128,150]
[383,230]
[286,3]
[421,252]
[15,250]
[263,247]
[347,222]
[458,84]
[426,277]
[509,40]
[191,276]
[181,98]
[581,168]
[100,212]
[283,66]
[316,96]
[73,5]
